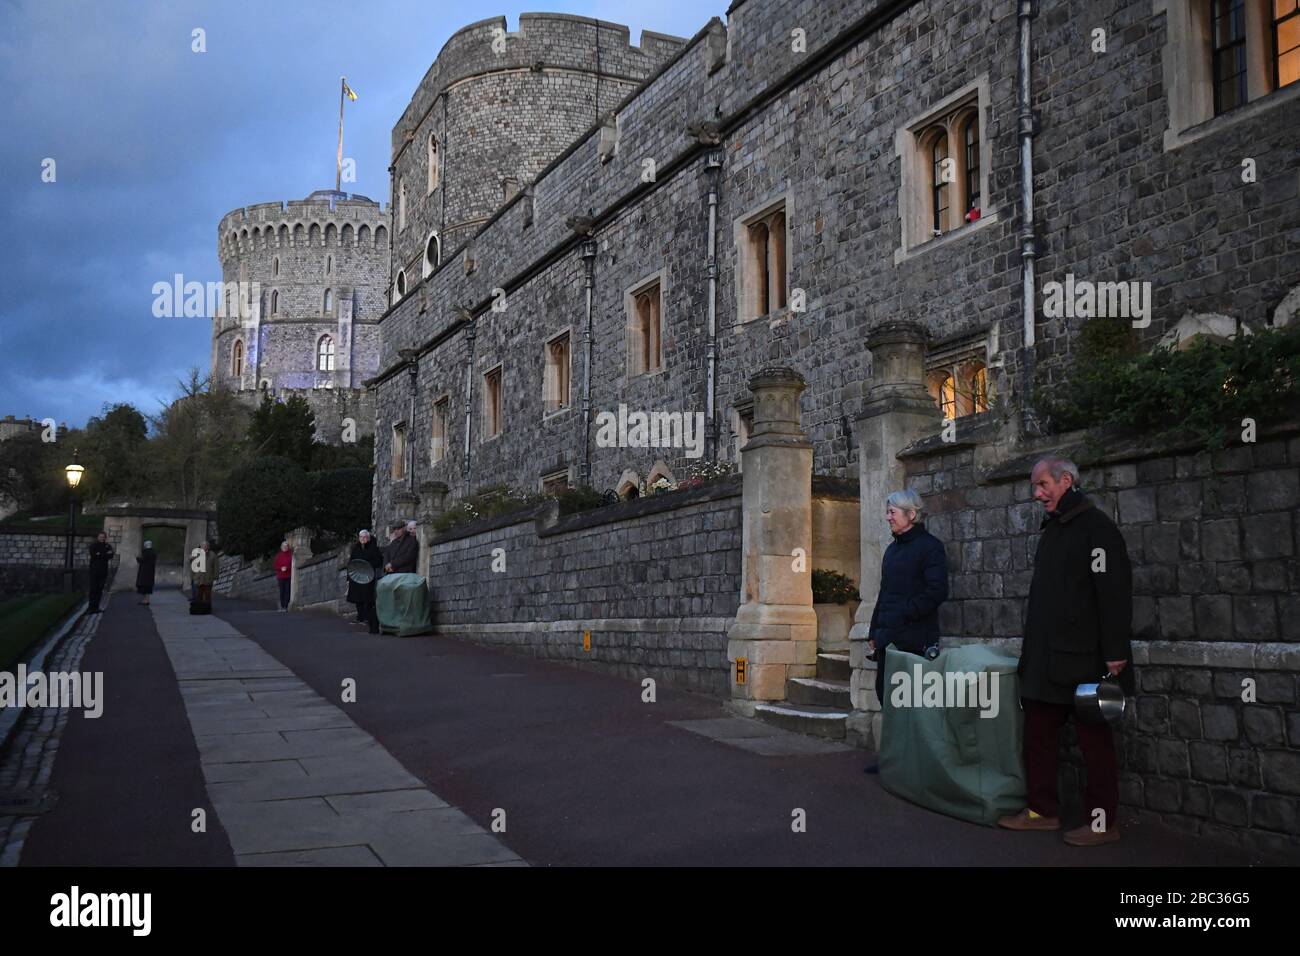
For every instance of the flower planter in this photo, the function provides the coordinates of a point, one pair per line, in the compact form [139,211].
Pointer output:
[834,621]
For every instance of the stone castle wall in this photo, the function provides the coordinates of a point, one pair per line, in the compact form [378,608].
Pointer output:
[501,107]
[32,561]
[1215,545]
[819,130]
[656,582]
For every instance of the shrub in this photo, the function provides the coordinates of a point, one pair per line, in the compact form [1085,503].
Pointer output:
[832,587]
[1203,391]
[581,498]
[261,501]
[489,502]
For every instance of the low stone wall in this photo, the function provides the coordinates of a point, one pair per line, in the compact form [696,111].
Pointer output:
[656,582]
[321,580]
[1213,742]
[32,561]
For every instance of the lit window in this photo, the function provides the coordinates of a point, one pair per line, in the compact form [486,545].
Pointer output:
[763,264]
[399,451]
[1286,42]
[555,383]
[325,354]
[645,326]
[492,403]
[555,484]
[441,417]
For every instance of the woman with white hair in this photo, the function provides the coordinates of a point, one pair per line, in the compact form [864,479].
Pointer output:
[363,595]
[913,583]
[284,573]
[146,563]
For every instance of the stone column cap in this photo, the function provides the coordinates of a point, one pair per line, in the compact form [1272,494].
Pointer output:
[897,332]
[778,376]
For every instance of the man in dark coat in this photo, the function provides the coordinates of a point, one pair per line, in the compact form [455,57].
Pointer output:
[1077,629]
[402,556]
[363,595]
[101,553]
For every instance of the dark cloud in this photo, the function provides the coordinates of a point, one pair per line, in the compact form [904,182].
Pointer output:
[155,143]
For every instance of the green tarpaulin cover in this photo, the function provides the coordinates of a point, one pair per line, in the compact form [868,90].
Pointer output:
[402,602]
[947,757]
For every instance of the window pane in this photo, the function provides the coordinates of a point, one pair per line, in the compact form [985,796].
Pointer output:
[938,154]
[1288,68]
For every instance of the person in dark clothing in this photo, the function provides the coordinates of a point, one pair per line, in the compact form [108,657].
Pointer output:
[402,556]
[1077,629]
[146,563]
[913,583]
[363,595]
[101,553]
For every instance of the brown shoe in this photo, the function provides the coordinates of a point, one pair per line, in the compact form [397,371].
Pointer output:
[1087,836]
[1027,819]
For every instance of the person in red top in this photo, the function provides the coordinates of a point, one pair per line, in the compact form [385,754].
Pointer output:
[284,573]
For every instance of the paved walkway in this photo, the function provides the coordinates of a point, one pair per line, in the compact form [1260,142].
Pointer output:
[241,714]
[293,780]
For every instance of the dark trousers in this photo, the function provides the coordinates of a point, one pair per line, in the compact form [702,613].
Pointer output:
[366,615]
[284,590]
[1043,724]
[203,593]
[97,582]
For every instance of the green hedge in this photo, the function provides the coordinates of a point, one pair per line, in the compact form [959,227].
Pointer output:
[1205,390]
[24,620]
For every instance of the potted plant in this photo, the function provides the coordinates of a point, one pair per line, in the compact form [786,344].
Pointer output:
[835,602]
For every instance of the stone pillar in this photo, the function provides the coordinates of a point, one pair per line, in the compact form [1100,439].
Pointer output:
[898,411]
[433,500]
[125,533]
[300,545]
[775,629]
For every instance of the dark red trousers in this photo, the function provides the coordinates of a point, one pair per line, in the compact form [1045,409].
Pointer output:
[1043,723]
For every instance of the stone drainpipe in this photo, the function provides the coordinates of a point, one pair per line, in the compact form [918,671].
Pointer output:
[714,166]
[898,411]
[775,631]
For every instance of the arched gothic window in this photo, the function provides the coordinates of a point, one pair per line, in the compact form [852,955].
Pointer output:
[325,354]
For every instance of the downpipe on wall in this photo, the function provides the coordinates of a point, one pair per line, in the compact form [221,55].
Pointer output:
[1028,240]
[714,165]
[588,252]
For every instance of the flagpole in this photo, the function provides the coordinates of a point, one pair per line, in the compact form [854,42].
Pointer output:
[338,170]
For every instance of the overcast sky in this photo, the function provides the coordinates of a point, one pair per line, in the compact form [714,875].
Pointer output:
[154,143]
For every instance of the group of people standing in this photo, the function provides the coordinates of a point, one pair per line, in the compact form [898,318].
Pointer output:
[101,557]
[401,556]
[1077,628]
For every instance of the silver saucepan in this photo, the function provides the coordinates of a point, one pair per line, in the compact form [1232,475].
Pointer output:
[1102,702]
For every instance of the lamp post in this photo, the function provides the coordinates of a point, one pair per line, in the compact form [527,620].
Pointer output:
[73,472]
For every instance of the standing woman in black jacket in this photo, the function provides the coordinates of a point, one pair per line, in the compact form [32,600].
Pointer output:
[913,583]
[146,562]
[363,595]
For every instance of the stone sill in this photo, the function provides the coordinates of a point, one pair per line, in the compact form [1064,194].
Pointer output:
[936,242]
[1178,138]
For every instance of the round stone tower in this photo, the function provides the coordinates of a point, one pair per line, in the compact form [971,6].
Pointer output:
[492,112]
[312,276]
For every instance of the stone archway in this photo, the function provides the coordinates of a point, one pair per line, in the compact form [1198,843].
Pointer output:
[125,526]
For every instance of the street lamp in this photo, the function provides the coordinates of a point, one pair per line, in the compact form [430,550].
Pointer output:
[73,472]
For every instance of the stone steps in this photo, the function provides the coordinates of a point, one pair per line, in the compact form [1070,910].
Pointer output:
[828,722]
[833,667]
[821,693]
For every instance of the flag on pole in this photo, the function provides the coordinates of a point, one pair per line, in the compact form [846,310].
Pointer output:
[347,90]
